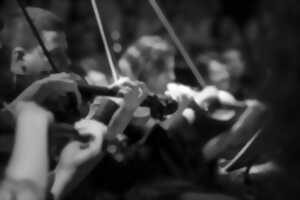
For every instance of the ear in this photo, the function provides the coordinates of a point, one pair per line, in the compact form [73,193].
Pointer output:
[17,61]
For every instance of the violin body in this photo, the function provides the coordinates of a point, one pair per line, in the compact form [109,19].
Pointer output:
[227,144]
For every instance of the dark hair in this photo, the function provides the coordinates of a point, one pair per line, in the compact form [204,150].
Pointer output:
[146,54]
[1,24]
[43,20]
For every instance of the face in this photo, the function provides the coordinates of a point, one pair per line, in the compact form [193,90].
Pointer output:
[33,62]
[233,59]
[219,75]
[157,80]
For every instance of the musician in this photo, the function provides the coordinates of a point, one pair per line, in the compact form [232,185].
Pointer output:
[147,53]
[226,71]
[28,58]
[29,64]
[26,174]
[151,60]
[27,55]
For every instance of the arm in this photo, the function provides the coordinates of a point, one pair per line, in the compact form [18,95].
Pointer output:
[28,164]
[51,87]
[75,163]
[78,159]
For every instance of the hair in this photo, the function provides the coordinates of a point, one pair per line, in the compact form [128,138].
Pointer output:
[1,24]
[42,19]
[146,54]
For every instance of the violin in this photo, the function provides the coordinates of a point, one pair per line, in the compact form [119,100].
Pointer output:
[247,121]
[160,106]
[215,109]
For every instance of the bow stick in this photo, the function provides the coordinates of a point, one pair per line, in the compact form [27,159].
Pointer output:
[38,37]
[109,55]
[177,42]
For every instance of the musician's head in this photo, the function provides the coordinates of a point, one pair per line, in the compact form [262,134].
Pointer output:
[28,57]
[151,60]
[224,70]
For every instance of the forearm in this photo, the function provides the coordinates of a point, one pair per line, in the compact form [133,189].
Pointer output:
[66,180]
[61,184]
[29,160]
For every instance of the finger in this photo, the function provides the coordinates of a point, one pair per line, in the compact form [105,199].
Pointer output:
[226,98]
[59,76]
[93,149]
[169,94]
[130,85]
[121,81]
[143,91]
[87,126]
[124,90]
[75,77]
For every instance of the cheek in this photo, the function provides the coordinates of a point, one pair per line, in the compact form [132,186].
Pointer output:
[162,80]
[155,83]
[35,64]
[61,61]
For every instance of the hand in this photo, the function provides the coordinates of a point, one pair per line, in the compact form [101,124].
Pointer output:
[78,159]
[52,87]
[211,93]
[181,93]
[76,154]
[205,95]
[134,92]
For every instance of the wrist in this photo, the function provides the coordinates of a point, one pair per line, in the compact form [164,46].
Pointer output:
[62,178]
[35,112]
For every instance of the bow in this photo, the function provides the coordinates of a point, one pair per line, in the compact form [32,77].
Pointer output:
[177,42]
